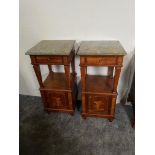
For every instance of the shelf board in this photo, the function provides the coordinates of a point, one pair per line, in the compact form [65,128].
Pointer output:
[99,84]
[55,81]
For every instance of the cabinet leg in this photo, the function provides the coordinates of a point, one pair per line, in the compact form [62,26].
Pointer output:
[48,112]
[72,113]
[111,119]
[83,116]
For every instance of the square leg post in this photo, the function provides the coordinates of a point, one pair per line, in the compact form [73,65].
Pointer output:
[83,82]
[110,71]
[38,74]
[67,73]
[116,78]
[50,68]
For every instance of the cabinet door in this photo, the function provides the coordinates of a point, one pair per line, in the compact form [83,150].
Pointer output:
[98,104]
[57,100]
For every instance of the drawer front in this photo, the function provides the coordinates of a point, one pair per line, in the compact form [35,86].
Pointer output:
[97,104]
[49,59]
[57,100]
[101,60]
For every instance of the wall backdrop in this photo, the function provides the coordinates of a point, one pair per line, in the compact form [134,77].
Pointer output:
[78,20]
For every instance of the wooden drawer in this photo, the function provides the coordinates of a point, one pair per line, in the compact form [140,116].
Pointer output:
[98,104]
[101,60]
[49,59]
[57,100]
[107,60]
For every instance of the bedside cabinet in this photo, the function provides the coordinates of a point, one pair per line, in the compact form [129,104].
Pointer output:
[99,92]
[58,90]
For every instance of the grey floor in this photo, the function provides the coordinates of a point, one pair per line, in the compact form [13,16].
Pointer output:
[62,134]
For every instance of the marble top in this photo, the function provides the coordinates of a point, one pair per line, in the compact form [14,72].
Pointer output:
[112,47]
[52,47]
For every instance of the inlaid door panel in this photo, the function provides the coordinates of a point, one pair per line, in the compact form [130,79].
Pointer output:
[57,100]
[98,104]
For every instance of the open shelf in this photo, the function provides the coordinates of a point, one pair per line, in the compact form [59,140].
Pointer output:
[99,84]
[56,81]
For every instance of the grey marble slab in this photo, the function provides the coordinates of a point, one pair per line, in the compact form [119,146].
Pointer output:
[111,47]
[52,47]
